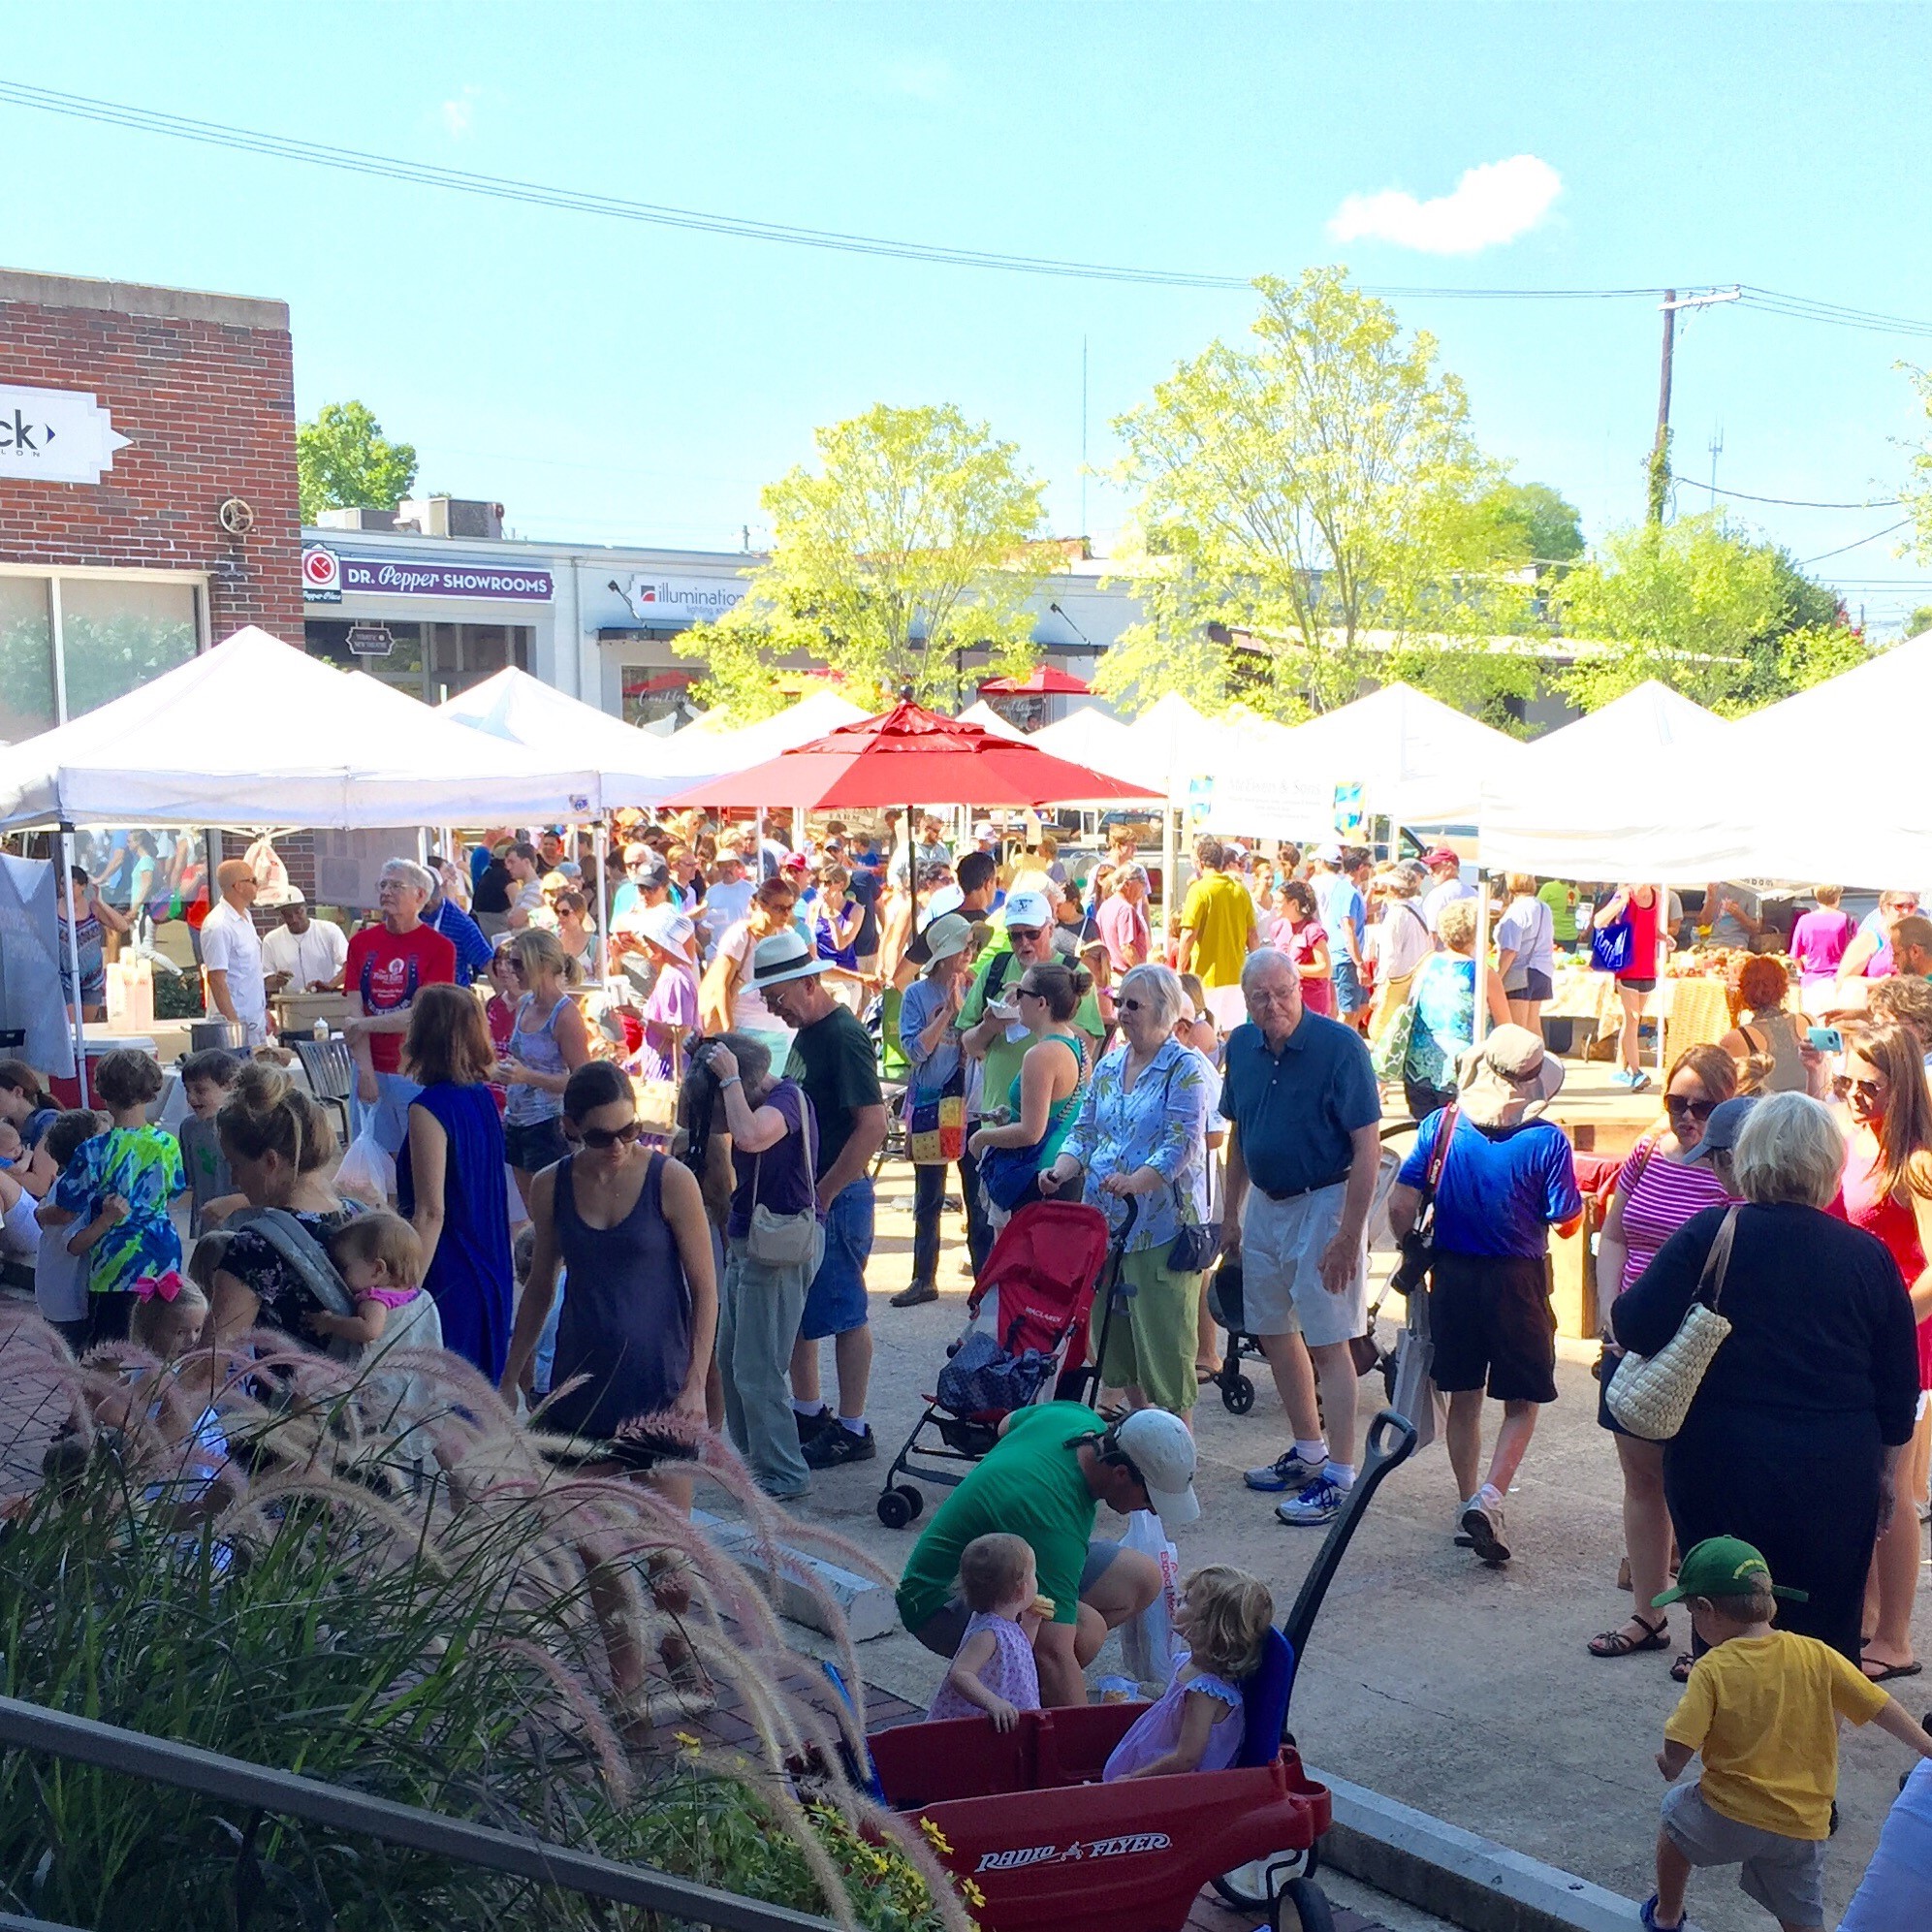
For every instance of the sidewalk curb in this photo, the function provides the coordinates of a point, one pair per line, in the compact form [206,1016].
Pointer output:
[1469,1880]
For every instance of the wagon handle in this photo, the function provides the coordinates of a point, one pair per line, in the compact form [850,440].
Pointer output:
[1391,1442]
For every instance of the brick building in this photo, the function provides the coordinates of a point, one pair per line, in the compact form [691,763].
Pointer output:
[148,486]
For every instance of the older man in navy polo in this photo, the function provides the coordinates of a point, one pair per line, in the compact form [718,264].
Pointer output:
[1301,1095]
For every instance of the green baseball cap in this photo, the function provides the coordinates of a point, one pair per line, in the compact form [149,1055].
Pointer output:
[1721,1567]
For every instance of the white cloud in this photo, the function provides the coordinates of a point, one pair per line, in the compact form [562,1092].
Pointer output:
[459,113]
[1491,203]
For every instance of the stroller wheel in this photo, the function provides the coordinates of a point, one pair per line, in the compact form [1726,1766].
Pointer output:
[897,1506]
[1238,1395]
[1302,1906]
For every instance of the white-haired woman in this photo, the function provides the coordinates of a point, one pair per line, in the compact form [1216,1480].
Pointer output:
[1141,1132]
[1443,996]
[1794,1439]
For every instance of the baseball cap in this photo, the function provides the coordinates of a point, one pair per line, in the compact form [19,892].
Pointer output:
[1442,856]
[273,898]
[795,862]
[1163,1451]
[1722,1129]
[1329,854]
[665,926]
[1028,909]
[1719,1566]
[948,899]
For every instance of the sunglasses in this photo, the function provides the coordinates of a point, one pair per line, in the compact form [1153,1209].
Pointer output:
[1866,1090]
[1024,931]
[1680,1107]
[603,1139]
[1028,993]
[1128,1006]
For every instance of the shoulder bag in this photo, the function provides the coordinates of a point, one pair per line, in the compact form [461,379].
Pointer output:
[786,1241]
[1194,1247]
[1390,1054]
[1650,1395]
[1419,1244]
[1610,945]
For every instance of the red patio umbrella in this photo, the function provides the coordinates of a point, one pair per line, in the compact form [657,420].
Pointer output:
[1042,680]
[905,755]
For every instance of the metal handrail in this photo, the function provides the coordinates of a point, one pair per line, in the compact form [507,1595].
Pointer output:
[30,1727]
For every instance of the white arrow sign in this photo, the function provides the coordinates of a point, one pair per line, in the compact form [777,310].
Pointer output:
[54,436]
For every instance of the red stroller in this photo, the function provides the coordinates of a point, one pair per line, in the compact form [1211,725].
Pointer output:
[1041,1275]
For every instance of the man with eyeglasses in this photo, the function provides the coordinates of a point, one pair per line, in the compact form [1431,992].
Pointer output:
[386,964]
[1044,1481]
[990,1027]
[834,1061]
[1869,956]
[1300,1093]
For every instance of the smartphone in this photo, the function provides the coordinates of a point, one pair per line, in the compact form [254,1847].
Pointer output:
[1826,1040]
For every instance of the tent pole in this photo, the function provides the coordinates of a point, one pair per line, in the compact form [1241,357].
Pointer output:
[1664,953]
[1170,865]
[1481,1018]
[604,919]
[79,1012]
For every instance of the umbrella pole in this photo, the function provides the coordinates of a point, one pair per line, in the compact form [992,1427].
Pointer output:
[78,1015]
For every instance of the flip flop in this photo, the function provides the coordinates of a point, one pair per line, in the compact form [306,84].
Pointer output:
[1886,1672]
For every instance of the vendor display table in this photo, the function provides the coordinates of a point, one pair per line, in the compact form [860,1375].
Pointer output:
[1694,1012]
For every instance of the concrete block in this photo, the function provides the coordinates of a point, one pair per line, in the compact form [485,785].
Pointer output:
[1458,1876]
[868,1607]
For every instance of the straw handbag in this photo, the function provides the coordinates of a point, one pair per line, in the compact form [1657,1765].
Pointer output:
[1650,1395]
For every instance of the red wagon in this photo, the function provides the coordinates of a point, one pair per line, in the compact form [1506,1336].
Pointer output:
[1024,1815]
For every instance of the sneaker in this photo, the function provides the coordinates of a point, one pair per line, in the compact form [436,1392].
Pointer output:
[916,1296]
[1639,1080]
[1622,1078]
[1647,1912]
[1319,1503]
[1285,1471]
[808,1426]
[834,1445]
[1483,1523]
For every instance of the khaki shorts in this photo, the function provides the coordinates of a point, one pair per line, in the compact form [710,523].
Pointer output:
[1786,1876]
[1282,1246]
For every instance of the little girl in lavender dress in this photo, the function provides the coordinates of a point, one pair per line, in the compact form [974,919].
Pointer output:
[1223,1616]
[993,1671]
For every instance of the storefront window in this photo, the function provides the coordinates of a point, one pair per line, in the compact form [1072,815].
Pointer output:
[118,634]
[430,661]
[651,695]
[26,658]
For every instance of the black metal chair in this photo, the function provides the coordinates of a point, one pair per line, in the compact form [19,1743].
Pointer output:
[331,1068]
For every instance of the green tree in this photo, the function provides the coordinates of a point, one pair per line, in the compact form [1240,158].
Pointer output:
[343,461]
[1312,506]
[1535,518]
[1919,621]
[1724,617]
[918,537]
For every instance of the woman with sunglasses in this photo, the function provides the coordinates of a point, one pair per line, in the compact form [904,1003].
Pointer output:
[1665,1179]
[548,1043]
[1887,1190]
[1045,1095]
[641,1318]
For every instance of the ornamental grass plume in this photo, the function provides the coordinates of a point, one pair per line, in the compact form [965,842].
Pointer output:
[392,1584]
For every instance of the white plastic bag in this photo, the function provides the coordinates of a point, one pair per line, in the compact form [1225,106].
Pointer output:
[367,1171]
[1146,1641]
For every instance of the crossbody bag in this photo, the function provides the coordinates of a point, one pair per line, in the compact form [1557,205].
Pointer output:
[786,1241]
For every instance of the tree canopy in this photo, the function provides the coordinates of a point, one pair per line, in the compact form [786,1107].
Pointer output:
[1723,616]
[1313,509]
[343,461]
[919,537]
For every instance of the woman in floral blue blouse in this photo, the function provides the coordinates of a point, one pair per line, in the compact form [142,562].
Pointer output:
[1141,1131]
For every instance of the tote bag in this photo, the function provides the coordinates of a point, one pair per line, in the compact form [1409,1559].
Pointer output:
[935,1122]
[1650,1395]
[1610,946]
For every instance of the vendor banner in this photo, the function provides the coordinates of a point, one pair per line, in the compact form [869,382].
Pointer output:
[1256,803]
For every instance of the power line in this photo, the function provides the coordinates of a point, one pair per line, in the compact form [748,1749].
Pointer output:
[1791,502]
[1805,562]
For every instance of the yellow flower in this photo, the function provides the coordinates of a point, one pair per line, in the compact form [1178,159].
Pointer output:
[973,1895]
[686,1738]
[935,1838]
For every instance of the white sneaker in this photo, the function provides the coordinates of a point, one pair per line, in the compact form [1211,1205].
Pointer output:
[1483,1525]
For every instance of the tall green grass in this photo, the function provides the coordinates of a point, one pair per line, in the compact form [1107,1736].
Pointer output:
[395,1598]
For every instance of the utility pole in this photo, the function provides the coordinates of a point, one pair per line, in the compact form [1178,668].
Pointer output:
[1717,450]
[1660,450]
[1083,438]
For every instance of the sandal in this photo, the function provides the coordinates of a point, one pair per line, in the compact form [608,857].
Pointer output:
[1619,1642]
[1680,1669]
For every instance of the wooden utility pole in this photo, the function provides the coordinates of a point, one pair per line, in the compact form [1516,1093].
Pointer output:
[1660,450]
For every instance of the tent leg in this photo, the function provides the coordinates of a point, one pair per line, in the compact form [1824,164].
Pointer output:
[604,918]
[1170,865]
[1482,1021]
[1664,953]
[79,1010]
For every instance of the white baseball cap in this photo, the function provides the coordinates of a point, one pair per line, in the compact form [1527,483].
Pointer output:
[1028,909]
[1162,1449]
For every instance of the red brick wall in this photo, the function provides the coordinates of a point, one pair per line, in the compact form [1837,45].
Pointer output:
[204,387]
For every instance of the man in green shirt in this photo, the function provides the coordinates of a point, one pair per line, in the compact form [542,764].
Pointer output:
[989,1029]
[1560,896]
[1044,1481]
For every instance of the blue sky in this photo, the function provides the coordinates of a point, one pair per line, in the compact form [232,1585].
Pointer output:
[622,383]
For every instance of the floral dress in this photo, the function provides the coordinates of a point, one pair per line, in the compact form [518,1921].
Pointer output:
[1443,996]
[144,1166]
[1160,1123]
[1158,1728]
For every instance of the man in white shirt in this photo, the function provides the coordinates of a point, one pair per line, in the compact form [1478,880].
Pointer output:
[1447,869]
[302,953]
[232,953]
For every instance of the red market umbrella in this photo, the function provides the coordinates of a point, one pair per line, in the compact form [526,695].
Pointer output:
[1042,680]
[905,754]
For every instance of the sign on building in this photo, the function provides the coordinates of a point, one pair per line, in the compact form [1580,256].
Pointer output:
[54,436]
[321,575]
[681,600]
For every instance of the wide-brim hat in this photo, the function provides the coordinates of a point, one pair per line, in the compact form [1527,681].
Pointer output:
[665,926]
[1512,1065]
[783,957]
[944,938]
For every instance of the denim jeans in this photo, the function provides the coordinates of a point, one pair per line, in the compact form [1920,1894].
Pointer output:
[757,1322]
[929,1200]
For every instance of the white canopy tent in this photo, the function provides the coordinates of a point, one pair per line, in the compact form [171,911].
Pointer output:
[1089,737]
[987,718]
[517,709]
[712,748]
[254,733]
[1645,728]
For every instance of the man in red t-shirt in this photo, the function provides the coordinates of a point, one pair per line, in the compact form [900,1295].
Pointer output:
[387,963]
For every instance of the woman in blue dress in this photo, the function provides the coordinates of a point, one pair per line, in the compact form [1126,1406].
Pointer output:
[449,1181]
[1443,996]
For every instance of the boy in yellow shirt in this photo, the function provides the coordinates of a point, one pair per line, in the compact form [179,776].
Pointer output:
[1763,1706]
